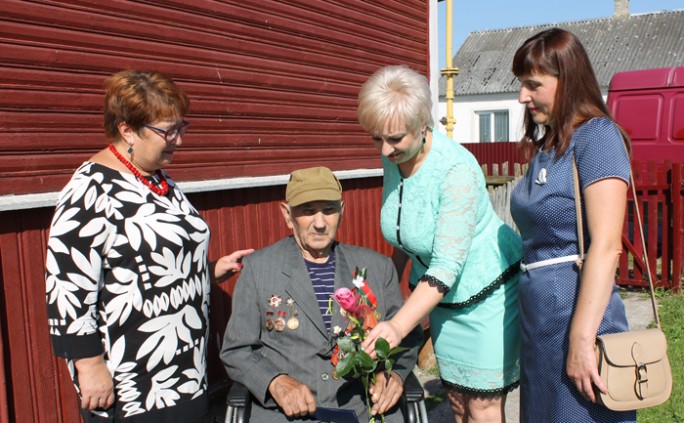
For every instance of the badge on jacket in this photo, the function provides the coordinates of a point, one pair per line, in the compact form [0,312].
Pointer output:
[280,322]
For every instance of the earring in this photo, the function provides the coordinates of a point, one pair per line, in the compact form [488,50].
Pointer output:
[130,147]
[423,140]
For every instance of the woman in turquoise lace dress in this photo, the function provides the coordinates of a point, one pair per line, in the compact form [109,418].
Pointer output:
[465,261]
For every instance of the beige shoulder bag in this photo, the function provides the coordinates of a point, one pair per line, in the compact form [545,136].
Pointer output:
[633,365]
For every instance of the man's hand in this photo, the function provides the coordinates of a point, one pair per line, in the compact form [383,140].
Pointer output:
[95,382]
[292,396]
[385,392]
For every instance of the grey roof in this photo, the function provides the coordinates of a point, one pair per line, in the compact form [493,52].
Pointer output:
[643,41]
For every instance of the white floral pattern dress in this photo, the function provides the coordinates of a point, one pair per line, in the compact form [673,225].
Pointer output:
[127,276]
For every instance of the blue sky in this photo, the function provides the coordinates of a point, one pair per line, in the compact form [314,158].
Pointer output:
[470,16]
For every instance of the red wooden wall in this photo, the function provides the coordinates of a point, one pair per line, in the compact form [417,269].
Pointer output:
[273,88]
[36,387]
[273,84]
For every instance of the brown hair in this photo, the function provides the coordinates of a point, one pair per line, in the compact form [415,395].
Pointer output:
[140,97]
[560,53]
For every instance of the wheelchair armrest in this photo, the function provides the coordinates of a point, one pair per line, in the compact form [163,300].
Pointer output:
[237,404]
[414,400]
[238,396]
[413,391]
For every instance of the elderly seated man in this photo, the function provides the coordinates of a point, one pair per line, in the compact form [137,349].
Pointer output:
[281,335]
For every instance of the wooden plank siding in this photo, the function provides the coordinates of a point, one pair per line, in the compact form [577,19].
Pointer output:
[273,85]
[273,88]
[38,386]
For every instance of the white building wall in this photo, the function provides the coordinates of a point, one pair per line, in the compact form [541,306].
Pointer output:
[466,108]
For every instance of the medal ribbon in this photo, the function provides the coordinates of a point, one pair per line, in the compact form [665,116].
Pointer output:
[367,292]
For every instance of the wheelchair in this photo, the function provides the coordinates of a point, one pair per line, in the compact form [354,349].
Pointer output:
[238,402]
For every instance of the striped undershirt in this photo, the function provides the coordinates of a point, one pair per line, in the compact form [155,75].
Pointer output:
[323,281]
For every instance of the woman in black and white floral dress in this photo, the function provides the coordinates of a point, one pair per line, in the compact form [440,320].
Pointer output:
[128,281]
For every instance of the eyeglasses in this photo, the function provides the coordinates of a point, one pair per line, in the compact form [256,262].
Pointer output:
[172,134]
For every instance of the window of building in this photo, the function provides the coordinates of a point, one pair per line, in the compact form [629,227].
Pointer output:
[493,126]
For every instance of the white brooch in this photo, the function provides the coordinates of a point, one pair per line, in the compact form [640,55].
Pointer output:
[541,178]
[358,281]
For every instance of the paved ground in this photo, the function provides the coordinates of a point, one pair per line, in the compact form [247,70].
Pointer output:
[639,314]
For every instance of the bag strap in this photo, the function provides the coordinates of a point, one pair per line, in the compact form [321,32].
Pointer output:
[580,230]
[645,254]
[578,212]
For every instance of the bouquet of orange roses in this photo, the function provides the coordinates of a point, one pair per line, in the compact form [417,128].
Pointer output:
[358,305]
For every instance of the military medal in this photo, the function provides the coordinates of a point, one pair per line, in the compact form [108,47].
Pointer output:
[275,300]
[269,321]
[279,322]
[293,322]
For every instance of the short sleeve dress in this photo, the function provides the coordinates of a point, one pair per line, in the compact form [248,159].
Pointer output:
[127,276]
[443,219]
[543,208]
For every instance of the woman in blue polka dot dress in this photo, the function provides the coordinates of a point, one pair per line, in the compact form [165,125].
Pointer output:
[562,308]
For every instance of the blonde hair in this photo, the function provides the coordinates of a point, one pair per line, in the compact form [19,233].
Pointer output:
[395,93]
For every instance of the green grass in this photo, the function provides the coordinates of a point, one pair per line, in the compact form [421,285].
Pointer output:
[434,400]
[672,321]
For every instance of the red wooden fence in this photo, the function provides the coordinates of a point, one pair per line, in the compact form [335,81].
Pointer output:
[491,153]
[660,191]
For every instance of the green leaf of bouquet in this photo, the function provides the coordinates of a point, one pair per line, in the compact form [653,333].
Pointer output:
[365,361]
[346,344]
[345,365]
[388,366]
[398,350]
[382,348]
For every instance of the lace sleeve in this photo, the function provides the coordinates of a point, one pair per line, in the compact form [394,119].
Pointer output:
[435,283]
[459,207]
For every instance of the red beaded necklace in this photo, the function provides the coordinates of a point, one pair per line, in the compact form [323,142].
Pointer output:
[163,187]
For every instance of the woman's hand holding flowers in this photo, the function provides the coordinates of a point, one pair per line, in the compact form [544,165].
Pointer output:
[383,386]
[388,330]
